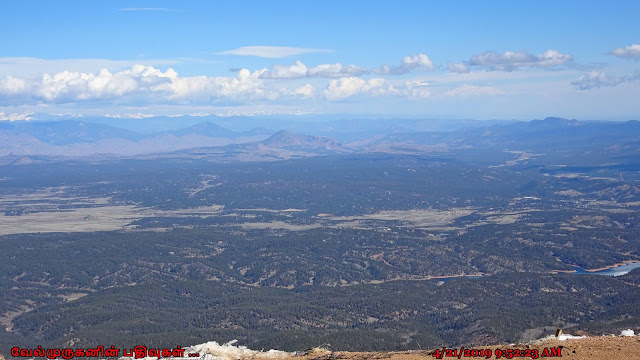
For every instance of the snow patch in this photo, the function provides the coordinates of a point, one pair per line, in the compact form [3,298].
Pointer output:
[627,332]
[228,351]
[562,337]
[213,351]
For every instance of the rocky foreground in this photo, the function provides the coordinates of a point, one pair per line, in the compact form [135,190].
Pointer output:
[565,347]
[601,347]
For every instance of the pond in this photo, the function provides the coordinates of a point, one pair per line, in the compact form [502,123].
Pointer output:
[615,271]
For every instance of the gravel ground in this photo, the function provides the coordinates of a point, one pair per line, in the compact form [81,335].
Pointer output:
[602,347]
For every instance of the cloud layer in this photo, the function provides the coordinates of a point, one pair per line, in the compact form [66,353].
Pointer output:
[596,79]
[473,90]
[350,86]
[147,85]
[124,84]
[137,84]
[510,61]
[299,70]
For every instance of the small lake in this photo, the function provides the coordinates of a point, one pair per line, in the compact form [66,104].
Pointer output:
[616,271]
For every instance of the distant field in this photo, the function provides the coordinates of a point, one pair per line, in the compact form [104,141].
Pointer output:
[48,211]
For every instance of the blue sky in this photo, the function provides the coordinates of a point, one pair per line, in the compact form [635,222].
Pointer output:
[446,59]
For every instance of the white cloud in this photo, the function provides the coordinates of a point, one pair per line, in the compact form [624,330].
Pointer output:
[457,68]
[336,70]
[28,66]
[12,86]
[299,70]
[349,86]
[473,90]
[510,61]
[294,71]
[418,89]
[630,52]
[596,79]
[551,58]
[271,51]
[417,62]
[69,86]
[305,90]
[245,86]
[144,84]
[246,83]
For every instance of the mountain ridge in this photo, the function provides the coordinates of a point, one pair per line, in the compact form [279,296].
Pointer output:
[79,138]
[286,139]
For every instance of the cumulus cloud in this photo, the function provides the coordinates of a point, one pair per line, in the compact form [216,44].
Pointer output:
[510,61]
[271,51]
[299,70]
[29,66]
[630,52]
[350,86]
[417,62]
[139,83]
[246,85]
[143,85]
[473,90]
[69,86]
[596,79]
[295,71]
[305,90]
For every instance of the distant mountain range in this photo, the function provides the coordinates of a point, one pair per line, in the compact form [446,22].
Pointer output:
[213,130]
[72,138]
[79,138]
[68,131]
